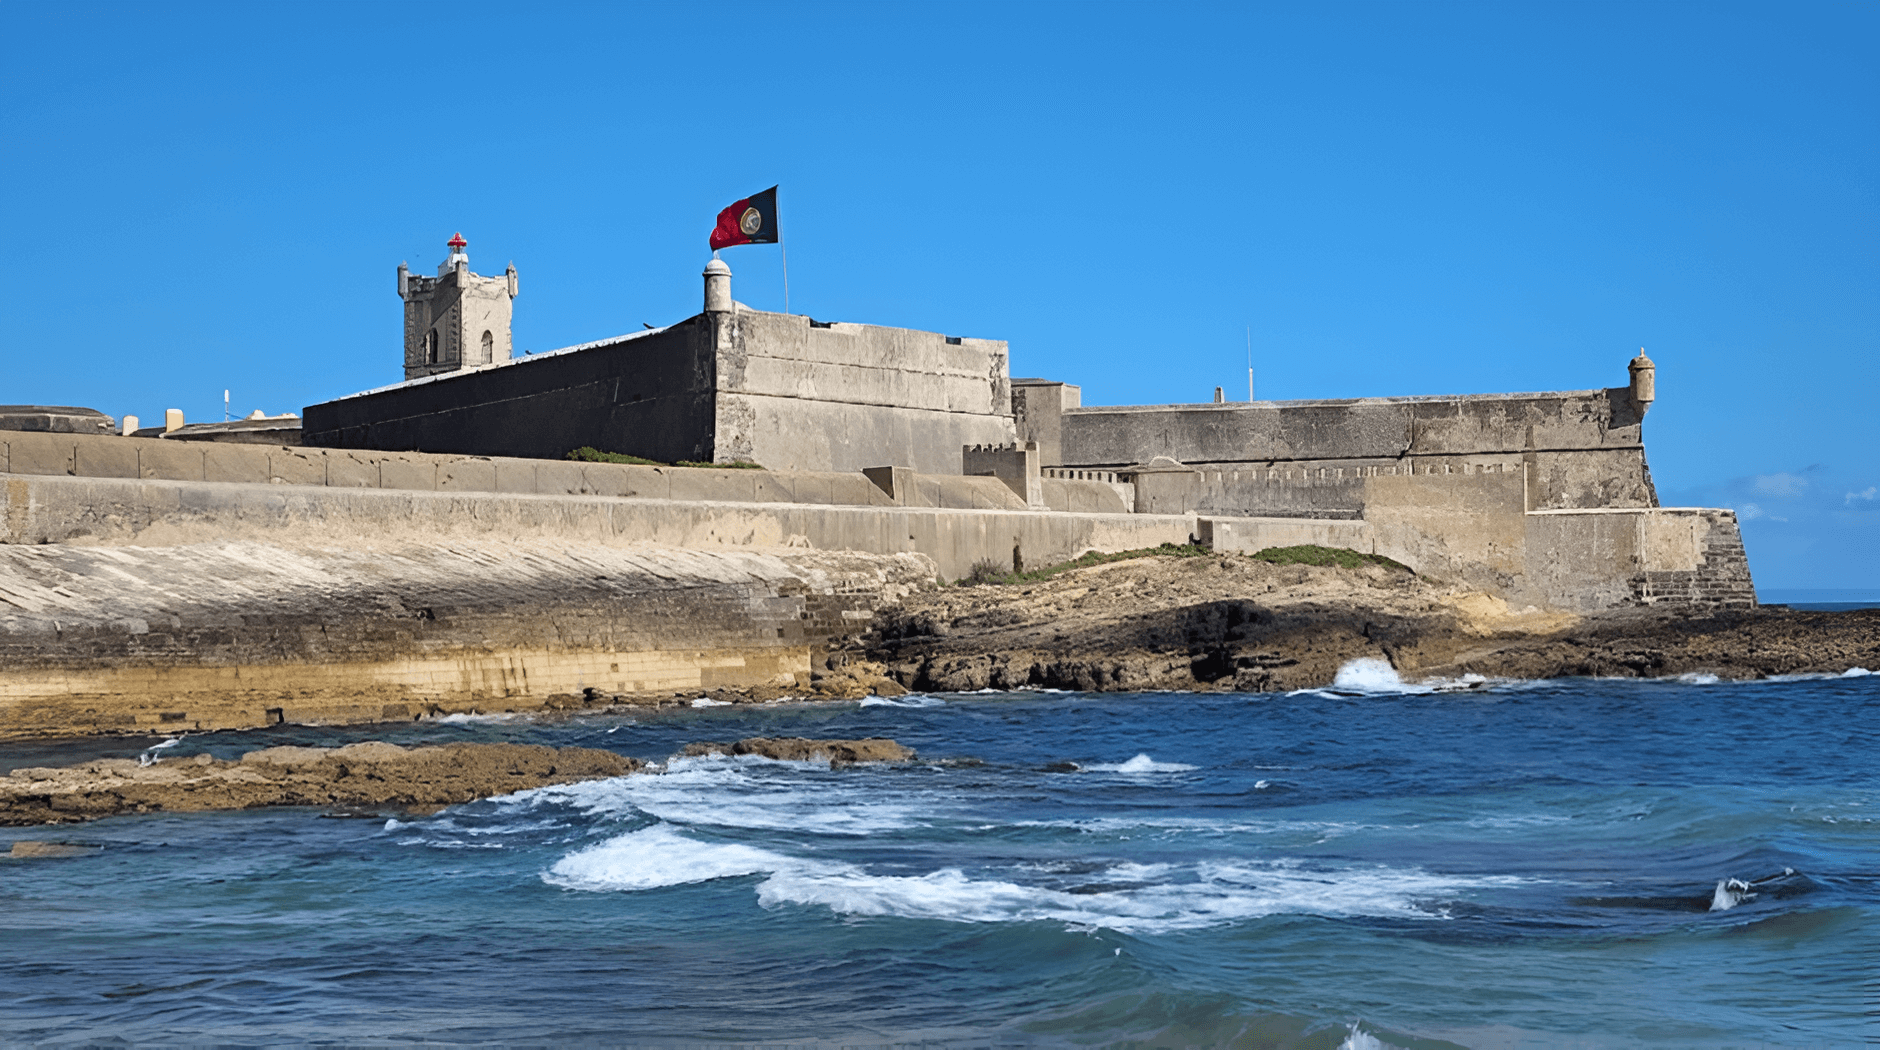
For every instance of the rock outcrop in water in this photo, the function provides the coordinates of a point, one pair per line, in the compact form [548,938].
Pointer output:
[838,753]
[372,773]
[1234,622]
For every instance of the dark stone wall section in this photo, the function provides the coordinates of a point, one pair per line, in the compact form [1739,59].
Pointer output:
[649,396]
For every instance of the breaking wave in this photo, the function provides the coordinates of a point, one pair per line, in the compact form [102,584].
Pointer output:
[740,792]
[1130,898]
[1142,763]
[912,700]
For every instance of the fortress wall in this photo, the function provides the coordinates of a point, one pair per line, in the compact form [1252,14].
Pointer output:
[1253,535]
[1581,480]
[794,396]
[238,633]
[648,394]
[1598,559]
[1580,449]
[787,433]
[122,512]
[1088,497]
[788,355]
[159,459]
[1468,528]
[1362,428]
[1331,489]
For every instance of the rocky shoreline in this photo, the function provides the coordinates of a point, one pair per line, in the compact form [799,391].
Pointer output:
[1230,622]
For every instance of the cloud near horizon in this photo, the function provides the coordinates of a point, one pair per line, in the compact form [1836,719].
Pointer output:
[1782,484]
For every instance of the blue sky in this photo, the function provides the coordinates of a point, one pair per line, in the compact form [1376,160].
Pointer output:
[1397,198]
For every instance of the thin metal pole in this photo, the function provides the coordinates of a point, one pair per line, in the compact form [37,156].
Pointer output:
[786,274]
[1250,363]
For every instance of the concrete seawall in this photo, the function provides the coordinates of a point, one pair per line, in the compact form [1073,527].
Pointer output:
[237,633]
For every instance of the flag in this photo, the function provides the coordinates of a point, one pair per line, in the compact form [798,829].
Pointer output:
[752,220]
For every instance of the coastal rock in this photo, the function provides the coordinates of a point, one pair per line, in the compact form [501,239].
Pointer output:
[839,753]
[1229,622]
[371,773]
[27,849]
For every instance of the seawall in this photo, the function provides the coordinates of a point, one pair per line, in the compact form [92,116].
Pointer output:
[239,633]
[62,488]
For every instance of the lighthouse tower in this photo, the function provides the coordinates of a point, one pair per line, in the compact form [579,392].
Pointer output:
[457,319]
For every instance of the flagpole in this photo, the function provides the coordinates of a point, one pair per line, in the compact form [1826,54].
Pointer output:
[786,274]
[1249,364]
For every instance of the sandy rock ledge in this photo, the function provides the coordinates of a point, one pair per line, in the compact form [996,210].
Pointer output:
[372,773]
[838,753]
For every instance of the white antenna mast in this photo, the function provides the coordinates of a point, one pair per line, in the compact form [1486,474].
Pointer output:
[1249,362]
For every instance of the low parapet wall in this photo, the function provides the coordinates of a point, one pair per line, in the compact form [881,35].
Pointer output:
[124,511]
[93,456]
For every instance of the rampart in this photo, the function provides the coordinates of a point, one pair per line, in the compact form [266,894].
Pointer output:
[63,488]
[1473,526]
[1578,450]
[742,385]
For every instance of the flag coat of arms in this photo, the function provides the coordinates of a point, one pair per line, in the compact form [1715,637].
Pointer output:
[752,220]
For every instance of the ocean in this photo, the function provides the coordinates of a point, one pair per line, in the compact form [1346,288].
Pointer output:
[1571,863]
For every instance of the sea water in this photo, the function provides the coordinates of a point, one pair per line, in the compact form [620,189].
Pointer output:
[1579,863]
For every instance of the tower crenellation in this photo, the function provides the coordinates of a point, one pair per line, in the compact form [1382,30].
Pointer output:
[457,319]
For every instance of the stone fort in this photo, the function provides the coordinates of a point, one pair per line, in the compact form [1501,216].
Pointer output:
[430,547]
[1542,498]
[885,440]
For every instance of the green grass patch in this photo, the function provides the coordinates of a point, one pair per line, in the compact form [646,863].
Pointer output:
[1327,557]
[590,454]
[987,572]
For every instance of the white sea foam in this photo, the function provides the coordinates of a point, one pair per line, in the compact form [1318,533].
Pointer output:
[467,719]
[1730,893]
[1141,764]
[911,700]
[1163,897]
[1856,672]
[1368,674]
[1360,1039]
[735,792]
[706,701]
[1697,678]
[658,856]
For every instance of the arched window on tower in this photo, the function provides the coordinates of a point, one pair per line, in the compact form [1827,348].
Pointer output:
[430,347]
[489,347]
